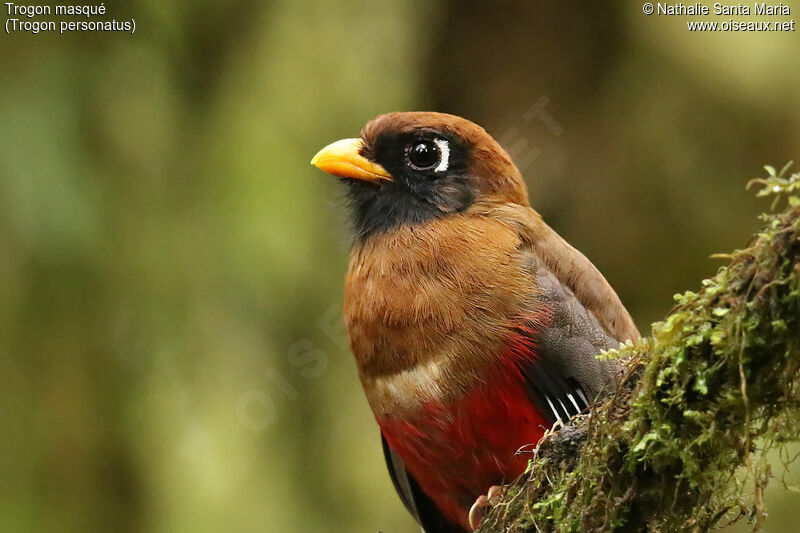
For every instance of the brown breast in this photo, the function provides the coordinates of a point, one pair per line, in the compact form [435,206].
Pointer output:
[427,307]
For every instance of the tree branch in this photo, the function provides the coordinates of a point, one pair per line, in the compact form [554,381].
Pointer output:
[681,446]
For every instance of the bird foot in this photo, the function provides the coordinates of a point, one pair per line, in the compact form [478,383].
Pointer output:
[483,504]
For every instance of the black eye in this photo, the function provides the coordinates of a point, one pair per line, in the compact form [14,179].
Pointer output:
[424,155]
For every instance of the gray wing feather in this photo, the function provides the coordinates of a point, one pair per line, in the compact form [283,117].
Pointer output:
[567,372]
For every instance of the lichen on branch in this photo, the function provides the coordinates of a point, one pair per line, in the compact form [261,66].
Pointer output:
[681,445]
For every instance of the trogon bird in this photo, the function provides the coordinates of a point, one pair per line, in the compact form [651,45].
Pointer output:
[475,326]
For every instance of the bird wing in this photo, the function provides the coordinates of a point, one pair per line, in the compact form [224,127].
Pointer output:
[418,504]
[572,270]
[557,398]
[564,376]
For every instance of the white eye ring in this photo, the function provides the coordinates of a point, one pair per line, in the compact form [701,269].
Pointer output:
[444,148]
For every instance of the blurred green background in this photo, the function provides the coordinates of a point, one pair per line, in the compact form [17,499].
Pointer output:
[172,356]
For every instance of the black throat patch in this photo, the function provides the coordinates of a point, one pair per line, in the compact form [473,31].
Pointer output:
[375,208]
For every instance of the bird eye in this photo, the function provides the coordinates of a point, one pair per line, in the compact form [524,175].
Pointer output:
[424,155]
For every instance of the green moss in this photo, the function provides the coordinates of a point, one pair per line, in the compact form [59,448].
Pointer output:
[675,448]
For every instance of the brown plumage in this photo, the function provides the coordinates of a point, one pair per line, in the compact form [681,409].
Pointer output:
[473,323]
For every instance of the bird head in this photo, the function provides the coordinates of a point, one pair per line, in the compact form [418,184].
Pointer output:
[408,168]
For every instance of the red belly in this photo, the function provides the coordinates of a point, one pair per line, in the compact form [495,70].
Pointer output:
[456,452]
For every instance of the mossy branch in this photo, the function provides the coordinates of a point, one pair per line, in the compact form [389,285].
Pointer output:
[682,444]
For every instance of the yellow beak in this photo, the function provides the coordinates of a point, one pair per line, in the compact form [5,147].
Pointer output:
[343,158]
